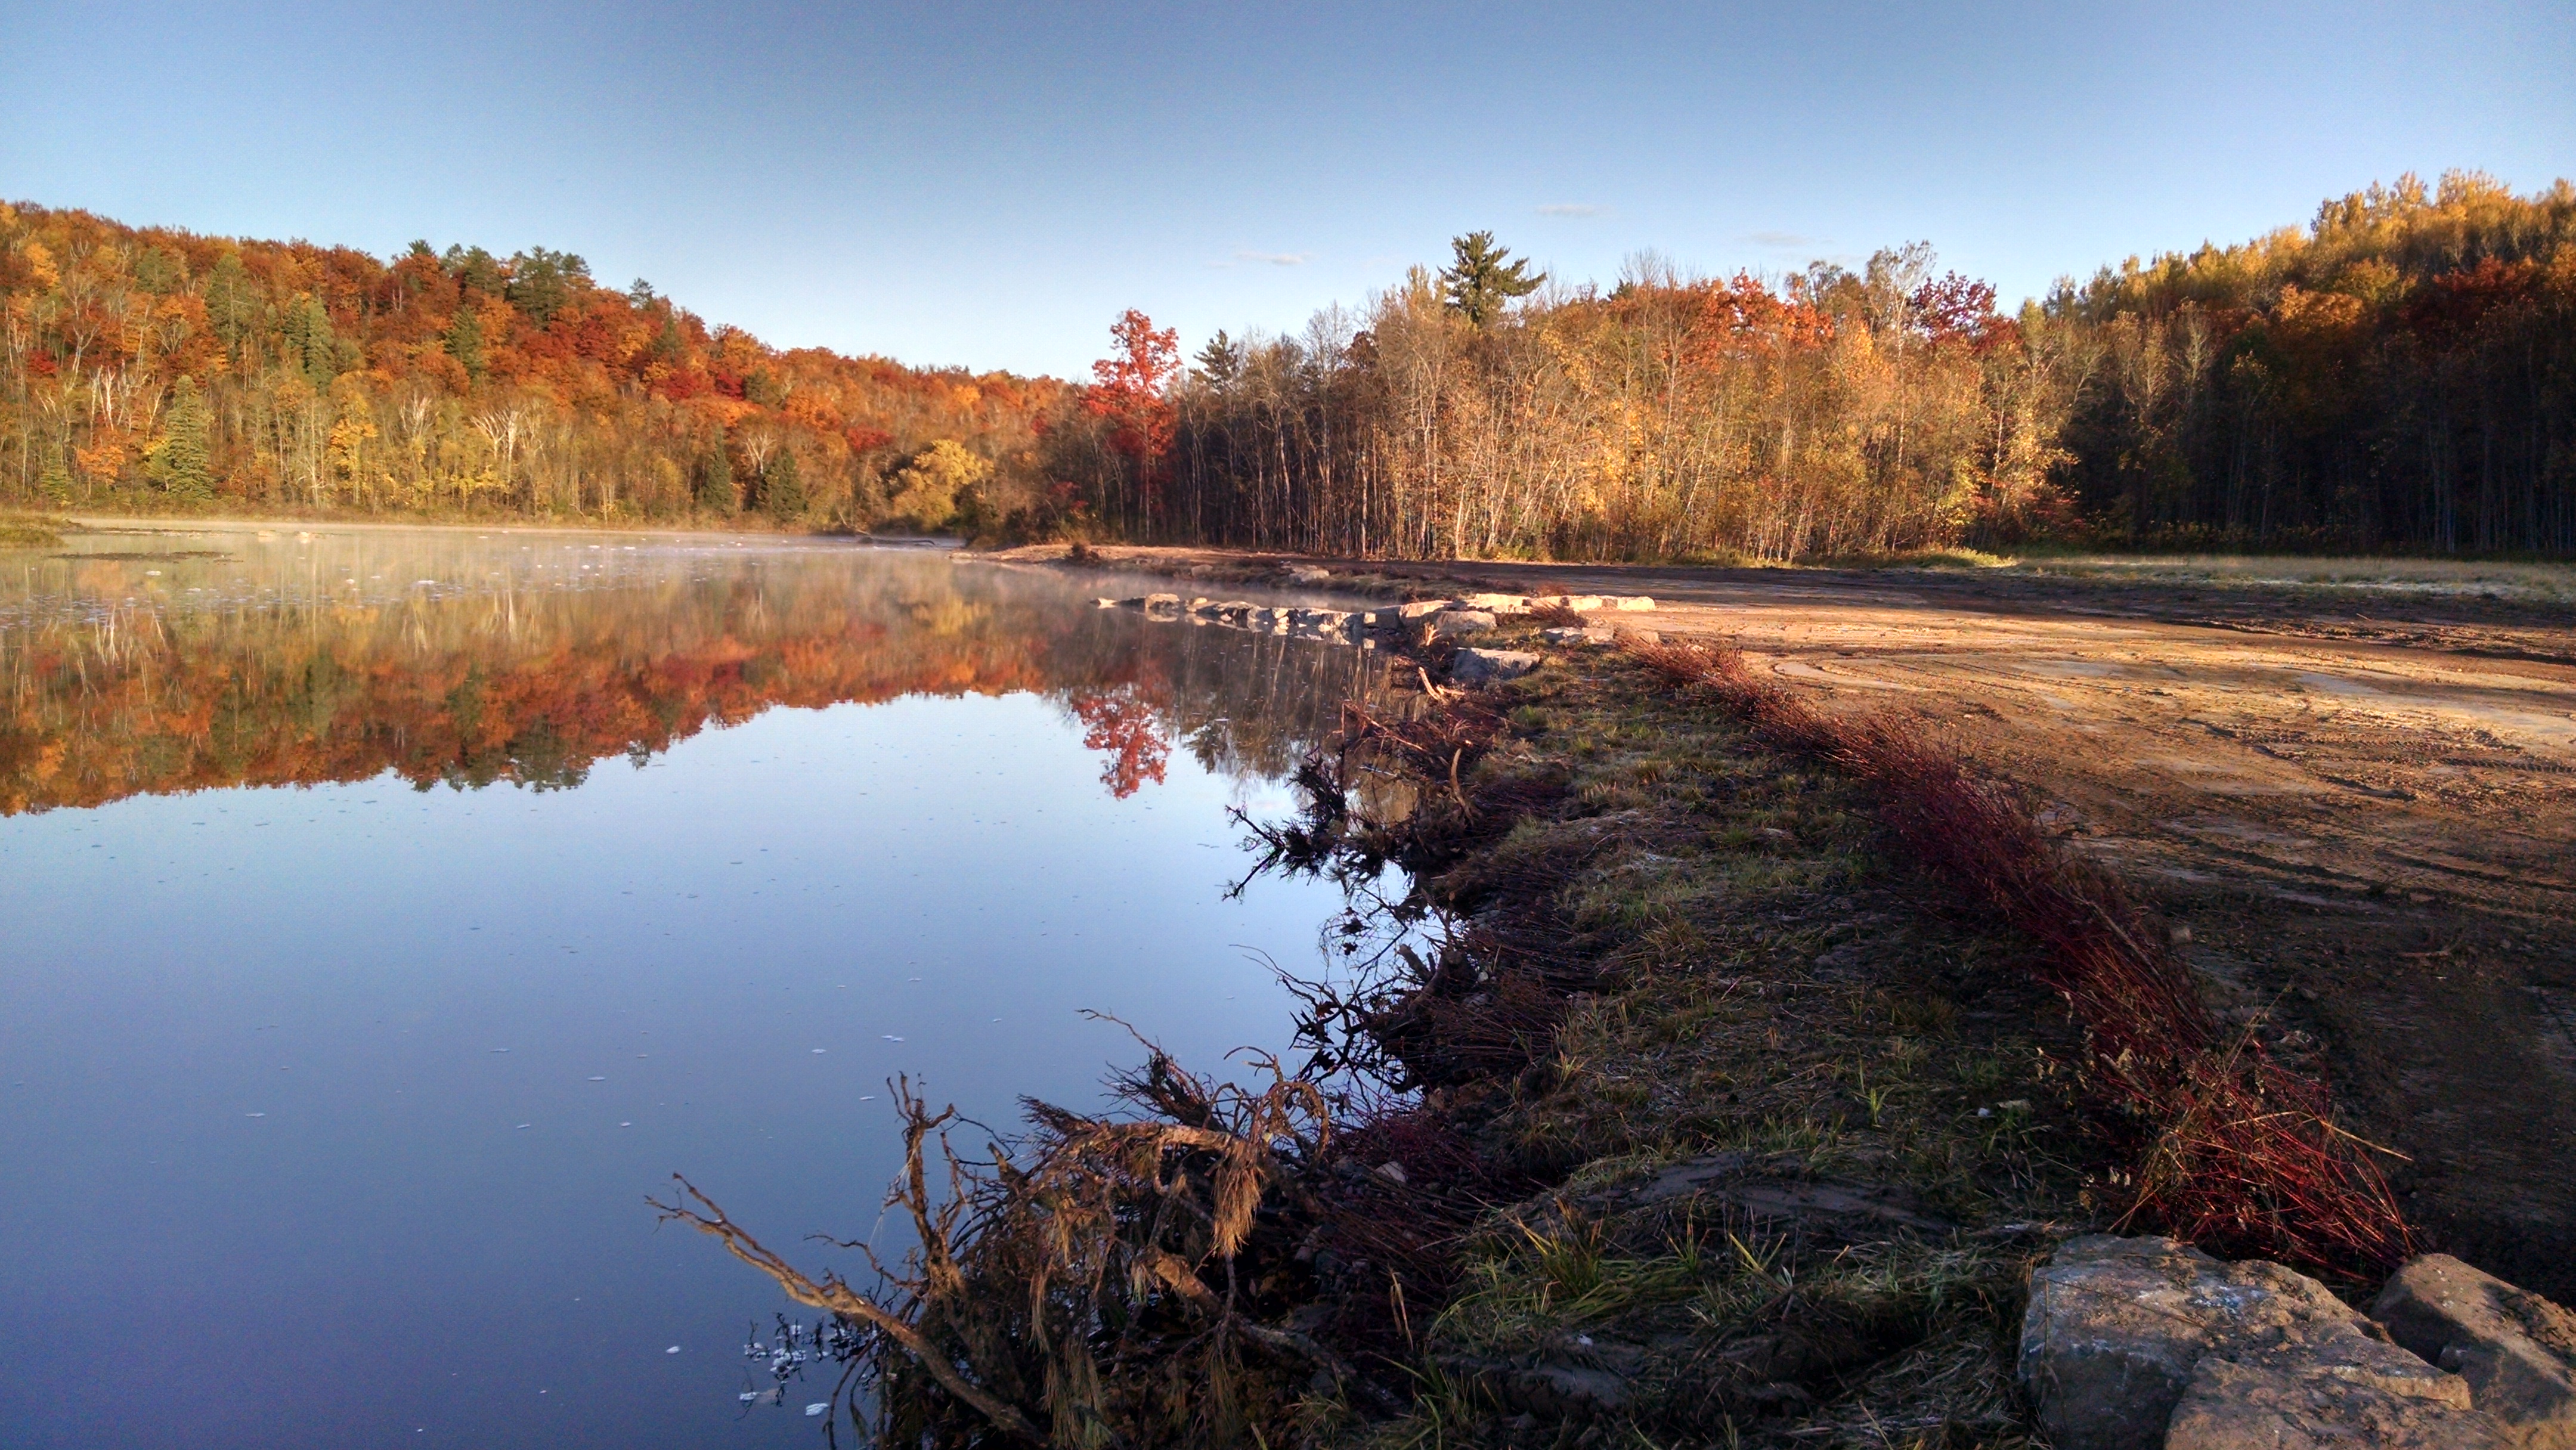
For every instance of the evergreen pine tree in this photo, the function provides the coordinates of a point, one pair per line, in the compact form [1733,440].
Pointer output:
[464,341]
[1481,280]
[232,301]
[315,347]
[715,482]
[782,491]
[56,479]
[179,460]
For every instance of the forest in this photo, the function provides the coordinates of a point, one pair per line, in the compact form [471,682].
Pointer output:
[2399,375]
[157,369]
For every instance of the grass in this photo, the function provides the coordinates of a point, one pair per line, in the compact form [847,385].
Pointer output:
[1758,975]
[31,531]
[2223,1145]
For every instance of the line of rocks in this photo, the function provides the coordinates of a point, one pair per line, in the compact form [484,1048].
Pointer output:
[1418,622]
[2150,1344]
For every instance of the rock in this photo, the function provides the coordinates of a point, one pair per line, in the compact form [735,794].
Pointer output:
[1575,634]
[1581,1381]
[1309,574]
[1498,603]
[1104,604]
[2516,1350]
[2118,1329]
[1461,621]
[1579,603]
[1776,1194]
[2259,1405]
[1420,607]
[1484,666]
[1632,603]
[1157,603]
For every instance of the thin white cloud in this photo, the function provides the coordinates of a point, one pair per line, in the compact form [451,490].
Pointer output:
[1277,259]
[1572,209]
[1781,239]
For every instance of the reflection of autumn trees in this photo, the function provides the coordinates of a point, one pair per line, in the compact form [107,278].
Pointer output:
[1123,723]
[537,687]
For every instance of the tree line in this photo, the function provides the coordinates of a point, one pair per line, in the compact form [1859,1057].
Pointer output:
[155,368]
[2399,374]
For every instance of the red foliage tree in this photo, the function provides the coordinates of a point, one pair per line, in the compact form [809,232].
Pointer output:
[1128,391]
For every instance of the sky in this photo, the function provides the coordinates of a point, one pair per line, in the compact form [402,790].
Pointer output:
[989,186]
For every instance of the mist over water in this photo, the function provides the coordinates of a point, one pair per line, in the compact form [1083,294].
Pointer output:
[384,913]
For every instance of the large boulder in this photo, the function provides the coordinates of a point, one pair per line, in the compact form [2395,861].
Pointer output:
[2516,1350]
[1455,622]
[1416,609]
[2121,1332]
[2283,1400]
[1484,666]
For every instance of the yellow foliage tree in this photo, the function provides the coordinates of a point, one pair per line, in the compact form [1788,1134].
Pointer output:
[937,483]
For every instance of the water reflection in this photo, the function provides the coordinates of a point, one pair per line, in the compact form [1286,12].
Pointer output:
[151,663]
[279,1064]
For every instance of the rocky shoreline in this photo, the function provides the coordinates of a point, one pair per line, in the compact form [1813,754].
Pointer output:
[1437,627]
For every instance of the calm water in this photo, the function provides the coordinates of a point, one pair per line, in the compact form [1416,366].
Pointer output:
[383,914]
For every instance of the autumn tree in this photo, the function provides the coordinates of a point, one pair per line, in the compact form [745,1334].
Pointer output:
[935,483]
[329,378]
[1129,393]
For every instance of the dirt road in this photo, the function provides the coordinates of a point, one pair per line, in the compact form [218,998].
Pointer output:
[2360,805]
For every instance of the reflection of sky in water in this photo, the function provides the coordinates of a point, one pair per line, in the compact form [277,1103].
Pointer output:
[330,1110]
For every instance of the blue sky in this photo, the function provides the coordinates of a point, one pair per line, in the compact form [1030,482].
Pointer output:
[990,185]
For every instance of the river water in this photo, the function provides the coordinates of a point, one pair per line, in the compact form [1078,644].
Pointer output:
[385,913]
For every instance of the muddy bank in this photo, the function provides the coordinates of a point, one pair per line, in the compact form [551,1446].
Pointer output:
[2359,803]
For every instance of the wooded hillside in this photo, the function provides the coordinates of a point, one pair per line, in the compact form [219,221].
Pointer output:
[2401,374]
[145,366]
